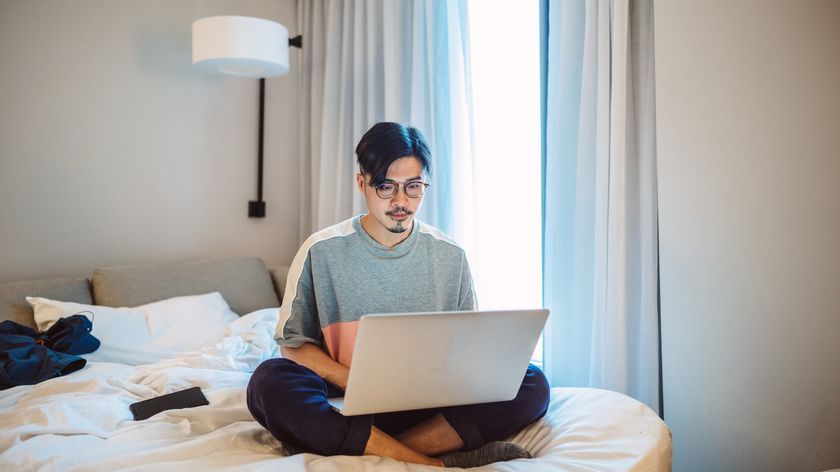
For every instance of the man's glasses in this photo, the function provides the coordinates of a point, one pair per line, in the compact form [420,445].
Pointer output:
[387,189]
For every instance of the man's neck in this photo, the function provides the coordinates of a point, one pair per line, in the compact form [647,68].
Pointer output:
[382,235]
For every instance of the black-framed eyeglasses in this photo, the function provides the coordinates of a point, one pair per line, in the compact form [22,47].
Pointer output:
[413,188]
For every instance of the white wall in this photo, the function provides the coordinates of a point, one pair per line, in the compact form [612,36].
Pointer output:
[748,125]
[115,150]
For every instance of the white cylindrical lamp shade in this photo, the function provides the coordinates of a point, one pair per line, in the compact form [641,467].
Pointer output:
[241,46]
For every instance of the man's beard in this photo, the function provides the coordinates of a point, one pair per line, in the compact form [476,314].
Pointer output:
[399,227]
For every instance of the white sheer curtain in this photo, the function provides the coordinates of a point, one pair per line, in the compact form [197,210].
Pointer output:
[365,61]
[600,227]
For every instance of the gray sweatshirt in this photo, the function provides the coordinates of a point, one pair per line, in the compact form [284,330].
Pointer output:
[341,273]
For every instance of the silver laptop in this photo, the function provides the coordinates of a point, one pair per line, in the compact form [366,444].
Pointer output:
[409,361]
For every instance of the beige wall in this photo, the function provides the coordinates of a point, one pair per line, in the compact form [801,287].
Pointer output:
[115,150]
[748,125]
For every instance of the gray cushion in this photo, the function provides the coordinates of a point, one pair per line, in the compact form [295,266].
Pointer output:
[13,305]
[243,281]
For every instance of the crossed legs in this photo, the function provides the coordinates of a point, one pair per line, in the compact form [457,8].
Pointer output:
[291,402]
[418,444]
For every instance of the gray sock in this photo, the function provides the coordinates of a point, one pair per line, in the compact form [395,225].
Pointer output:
[491,452]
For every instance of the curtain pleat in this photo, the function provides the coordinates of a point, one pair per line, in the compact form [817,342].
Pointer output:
[600,258]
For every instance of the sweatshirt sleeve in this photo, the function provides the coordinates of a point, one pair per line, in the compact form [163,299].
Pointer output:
[299,321]
[467,300]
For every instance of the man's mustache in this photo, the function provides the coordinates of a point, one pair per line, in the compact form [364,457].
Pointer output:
[404,210]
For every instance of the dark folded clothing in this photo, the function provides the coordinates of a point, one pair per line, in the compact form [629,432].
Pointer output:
[28,357]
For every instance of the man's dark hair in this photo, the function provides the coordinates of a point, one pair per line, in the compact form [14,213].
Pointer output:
[386,142]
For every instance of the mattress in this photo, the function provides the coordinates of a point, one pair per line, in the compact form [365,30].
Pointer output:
[82,422]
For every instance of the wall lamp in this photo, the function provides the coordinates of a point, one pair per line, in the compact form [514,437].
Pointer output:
[243,46]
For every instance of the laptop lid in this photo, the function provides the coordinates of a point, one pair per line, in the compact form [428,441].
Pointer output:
[409,361]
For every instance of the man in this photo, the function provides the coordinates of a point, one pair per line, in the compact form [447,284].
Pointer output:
[384,261]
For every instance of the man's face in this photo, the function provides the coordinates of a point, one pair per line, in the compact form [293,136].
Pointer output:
[392,215]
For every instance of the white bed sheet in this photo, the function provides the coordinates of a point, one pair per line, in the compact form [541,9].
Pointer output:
[81,422]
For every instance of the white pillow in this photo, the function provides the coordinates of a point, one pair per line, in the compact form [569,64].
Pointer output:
[147,333]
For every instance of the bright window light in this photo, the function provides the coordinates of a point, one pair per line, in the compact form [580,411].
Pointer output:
[504,46]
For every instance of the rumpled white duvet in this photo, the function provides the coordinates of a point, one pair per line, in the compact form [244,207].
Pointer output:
[82,422]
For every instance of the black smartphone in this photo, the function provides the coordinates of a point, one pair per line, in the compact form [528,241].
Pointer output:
[171,401]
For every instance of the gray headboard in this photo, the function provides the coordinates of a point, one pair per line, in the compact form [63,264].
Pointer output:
[13,305]
[244,282]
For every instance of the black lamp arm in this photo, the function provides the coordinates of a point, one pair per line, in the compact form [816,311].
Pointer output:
[256,208]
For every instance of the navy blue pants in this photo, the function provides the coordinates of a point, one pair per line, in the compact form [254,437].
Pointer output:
[290,401]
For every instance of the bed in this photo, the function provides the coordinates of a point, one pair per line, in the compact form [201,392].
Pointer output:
[81,421]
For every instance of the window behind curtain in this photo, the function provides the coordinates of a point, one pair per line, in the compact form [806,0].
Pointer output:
[504,43]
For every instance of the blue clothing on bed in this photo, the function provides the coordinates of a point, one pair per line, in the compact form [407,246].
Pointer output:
[28,357]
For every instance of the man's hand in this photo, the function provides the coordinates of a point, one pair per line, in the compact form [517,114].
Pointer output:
[318,361]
